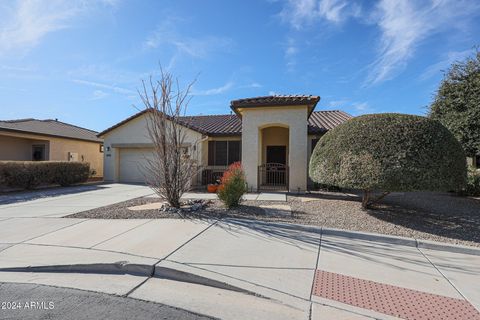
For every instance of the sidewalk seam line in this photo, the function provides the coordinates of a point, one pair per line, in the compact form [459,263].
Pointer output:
[443,275]
[310,310]
[316,264]
[121,233]
[155,264]
[83,248]
[47,233]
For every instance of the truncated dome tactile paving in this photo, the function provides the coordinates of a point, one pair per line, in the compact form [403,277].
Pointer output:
[391,300]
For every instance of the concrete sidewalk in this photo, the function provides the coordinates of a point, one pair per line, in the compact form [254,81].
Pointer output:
[239,269]
[66,201]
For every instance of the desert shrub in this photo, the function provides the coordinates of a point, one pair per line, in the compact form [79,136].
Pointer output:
[68,173]
[232,186]
[28,174]
[389,152]
[472,187]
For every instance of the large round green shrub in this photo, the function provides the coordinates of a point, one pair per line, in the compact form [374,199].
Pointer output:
[389,152]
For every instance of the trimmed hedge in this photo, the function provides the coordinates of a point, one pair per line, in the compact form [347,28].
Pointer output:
[390,152]
[29,174]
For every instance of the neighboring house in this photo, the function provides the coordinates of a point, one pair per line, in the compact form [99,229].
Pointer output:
[272,136]
[38,140]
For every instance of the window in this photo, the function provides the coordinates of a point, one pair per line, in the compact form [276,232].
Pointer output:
[38,152]
[101,148]
[223,153]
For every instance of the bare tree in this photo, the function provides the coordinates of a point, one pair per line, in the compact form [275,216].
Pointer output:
[169,172]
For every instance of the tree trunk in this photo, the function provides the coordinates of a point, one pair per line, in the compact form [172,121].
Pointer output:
[366,199]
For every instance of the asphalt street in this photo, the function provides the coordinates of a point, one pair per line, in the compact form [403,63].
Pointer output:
[33,301]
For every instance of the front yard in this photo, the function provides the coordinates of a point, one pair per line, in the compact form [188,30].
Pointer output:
[422,215]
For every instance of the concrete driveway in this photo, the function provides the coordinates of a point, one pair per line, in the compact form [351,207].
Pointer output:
[239,269]
[60,202]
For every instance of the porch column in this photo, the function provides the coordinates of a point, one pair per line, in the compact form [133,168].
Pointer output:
[298,157]
[250,153]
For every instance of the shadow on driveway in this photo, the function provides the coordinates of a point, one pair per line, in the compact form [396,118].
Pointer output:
[22,196]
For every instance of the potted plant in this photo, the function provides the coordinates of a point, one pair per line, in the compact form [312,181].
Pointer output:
[213,187]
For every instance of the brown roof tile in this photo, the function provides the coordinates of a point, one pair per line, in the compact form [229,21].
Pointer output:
[49,127]
[322,121]
[280,100]
[231,124]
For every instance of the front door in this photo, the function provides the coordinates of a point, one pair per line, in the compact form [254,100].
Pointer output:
[277,154]
[276,169]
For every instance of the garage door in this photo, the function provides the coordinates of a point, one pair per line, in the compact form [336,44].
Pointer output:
[132,164]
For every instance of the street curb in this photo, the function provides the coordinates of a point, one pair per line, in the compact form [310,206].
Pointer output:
[410,242]
[182,276]
[120,267]
[367,236]
[143,270]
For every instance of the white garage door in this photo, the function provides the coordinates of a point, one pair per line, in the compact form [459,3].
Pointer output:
[132,164]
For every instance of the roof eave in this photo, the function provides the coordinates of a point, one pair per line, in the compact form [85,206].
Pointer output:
[50,135]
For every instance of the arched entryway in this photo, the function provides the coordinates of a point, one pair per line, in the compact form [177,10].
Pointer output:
[273,171]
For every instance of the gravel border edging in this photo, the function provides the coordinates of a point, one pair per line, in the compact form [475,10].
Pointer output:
[409,242]
[369,236]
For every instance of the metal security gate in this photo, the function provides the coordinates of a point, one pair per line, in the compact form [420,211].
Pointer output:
[273,176]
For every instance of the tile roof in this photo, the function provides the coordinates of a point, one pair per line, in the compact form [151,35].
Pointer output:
[224,124]
[231,124]
[49,127]
[280,100]
[220,125]
[322,121]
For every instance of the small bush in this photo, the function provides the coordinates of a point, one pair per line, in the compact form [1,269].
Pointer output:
[473,183]
[28,174]
[232,186]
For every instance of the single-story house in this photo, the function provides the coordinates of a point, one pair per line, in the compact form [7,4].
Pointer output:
[39,140]
[272,136]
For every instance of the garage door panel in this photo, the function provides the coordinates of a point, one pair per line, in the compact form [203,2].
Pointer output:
[133,162]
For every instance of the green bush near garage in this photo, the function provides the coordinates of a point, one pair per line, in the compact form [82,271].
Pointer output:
[389,152]
[30,174]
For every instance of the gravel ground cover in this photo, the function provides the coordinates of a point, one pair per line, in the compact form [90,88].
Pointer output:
[430,216]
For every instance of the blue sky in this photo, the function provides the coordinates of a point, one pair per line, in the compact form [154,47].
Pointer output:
[82,61]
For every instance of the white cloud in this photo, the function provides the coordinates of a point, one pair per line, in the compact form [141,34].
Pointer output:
[301,12]
[291,51]
[99,94]
[214,91]
[361,107]
[252,85]
[444,64]
[405,24]
[337,103]
[113,88]
[166,34]
[23,24]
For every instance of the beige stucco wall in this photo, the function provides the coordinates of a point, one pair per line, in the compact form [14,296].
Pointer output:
[18,146]
[19,149]
[295,118]
[134,134]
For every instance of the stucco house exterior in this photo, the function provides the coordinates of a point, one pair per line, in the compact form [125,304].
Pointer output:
[39,140]
[272,136]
